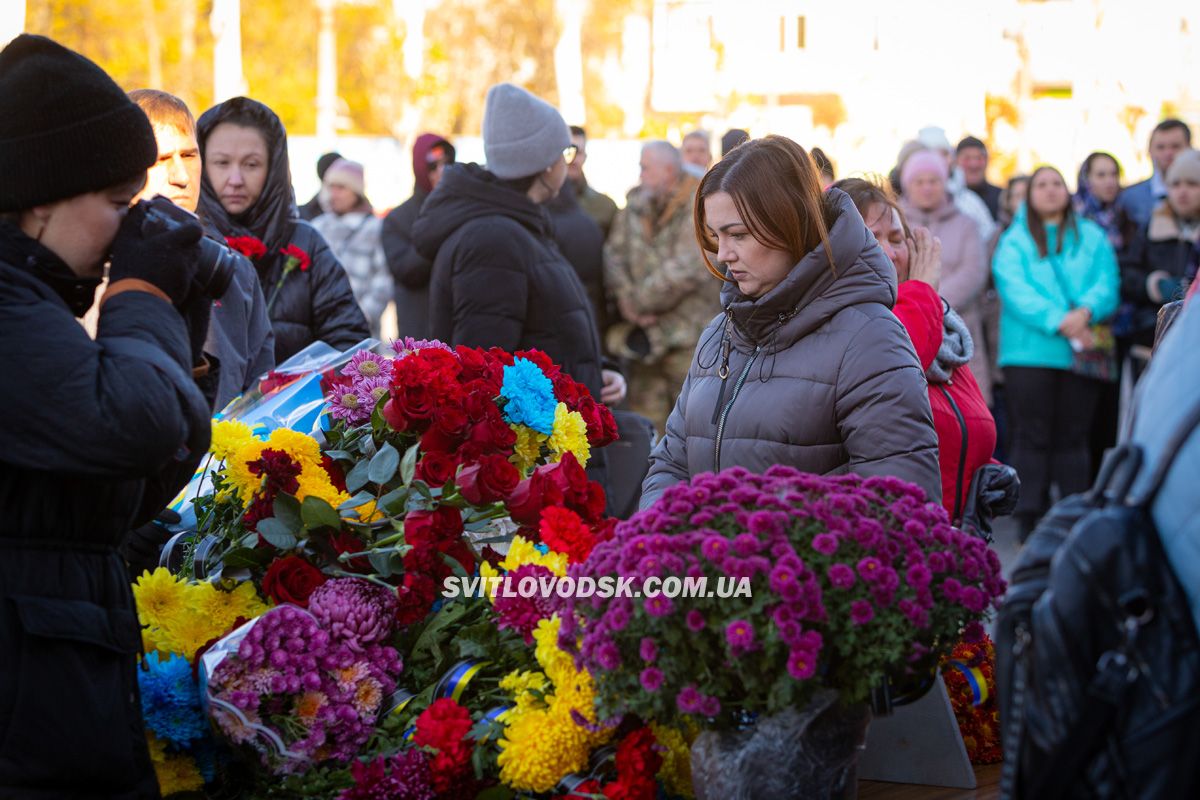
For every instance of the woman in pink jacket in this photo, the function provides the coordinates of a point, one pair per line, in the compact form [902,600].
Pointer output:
[926,203]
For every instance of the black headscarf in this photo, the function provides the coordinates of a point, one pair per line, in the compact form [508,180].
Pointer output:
[271,217]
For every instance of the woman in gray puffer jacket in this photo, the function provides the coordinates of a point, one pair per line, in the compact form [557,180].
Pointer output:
[807,366]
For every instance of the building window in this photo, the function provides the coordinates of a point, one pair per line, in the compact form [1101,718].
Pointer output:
[800,33]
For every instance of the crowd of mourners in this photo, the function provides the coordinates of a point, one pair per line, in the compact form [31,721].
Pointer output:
[752,310]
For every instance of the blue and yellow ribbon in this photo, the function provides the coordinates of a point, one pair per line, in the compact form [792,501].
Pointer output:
[455,681]
[975,680]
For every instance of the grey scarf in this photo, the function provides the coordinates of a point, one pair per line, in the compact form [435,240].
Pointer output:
[956,350]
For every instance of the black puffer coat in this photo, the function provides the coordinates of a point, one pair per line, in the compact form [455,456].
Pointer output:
[819,376]
[92,438]
[499,279]
[313,305]
[582,243]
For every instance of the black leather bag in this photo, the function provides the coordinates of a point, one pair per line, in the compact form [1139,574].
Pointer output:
[1097,654]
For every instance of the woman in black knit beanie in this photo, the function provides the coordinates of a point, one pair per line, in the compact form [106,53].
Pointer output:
[97,435]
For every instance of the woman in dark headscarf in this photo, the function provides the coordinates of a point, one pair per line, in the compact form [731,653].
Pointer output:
[247,194]
[1096,197]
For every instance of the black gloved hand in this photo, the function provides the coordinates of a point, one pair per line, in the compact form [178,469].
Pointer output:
[142,546]
[165,256]
[993,493]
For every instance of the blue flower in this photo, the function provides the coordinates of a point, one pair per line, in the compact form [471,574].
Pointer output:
[171,699]
[530,396]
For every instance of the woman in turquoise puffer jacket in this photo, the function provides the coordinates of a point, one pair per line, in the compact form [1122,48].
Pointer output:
[1056,275]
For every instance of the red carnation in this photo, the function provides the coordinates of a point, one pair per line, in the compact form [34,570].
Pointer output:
[489,480]
[433,528]
[337,476]
[248,246]
[302,260]
[280,470]
[444,726]
[637,762]
[291,579]
[564,532]
[342,542]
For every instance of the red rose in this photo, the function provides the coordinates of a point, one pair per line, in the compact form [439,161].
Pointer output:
[526,502]
[433,528]
[248,246]
[435,441]
[416,401]
[450,420]
[291,579]
[601,425]
[292,251]
[568,390]
[489,480]
[394,416]
[492,434]
[435,468]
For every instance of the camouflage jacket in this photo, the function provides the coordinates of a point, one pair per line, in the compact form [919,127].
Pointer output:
[652,262]
[599,207]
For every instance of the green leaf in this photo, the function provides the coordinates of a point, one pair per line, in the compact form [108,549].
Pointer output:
[408,467]
[276,533]
[287,511]
[316,513]
[357,477]
[381,562]
[455,566]
[394,501]
[246,557]
[383,464]
[354,502]
[340,455]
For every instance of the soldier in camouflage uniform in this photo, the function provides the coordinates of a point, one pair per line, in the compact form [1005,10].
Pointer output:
[654,270]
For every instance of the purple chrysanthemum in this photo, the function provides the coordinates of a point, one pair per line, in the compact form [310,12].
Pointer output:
[354,610]
[861,612]
[651,679]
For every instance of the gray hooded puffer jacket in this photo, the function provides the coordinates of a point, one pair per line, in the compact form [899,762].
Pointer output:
[820,376]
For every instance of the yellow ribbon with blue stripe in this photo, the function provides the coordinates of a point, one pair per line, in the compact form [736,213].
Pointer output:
[455,681]
[975,680]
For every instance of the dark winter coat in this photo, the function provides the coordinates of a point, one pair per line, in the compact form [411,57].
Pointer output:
[582,243]
[313,305]
[93,446]
[499,279]
[1159,249]
[411,270]
[240,336]
[821,376]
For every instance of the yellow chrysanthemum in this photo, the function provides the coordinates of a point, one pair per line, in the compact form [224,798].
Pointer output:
[217,609]
[676,769]
[158,594]
[558,666]
[229,436]
[303,449]
[314,482]
[527,452]
[177,772]
[542,744]
[569,436]
[522,685]
[521,552]
[237,470]
[367,512]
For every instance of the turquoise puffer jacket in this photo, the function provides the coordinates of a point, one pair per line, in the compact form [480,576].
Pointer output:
[1036,292]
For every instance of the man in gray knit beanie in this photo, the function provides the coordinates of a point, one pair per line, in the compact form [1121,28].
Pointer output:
[522,134]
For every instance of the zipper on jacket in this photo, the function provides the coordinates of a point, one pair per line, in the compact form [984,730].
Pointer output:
[737,388]
[962,456]
[723,373]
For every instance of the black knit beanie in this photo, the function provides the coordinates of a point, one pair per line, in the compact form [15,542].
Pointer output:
[65,127]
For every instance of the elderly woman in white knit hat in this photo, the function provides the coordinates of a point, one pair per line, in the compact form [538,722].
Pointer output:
[353,233]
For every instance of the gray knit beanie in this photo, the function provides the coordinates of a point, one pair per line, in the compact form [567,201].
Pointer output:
[522,134]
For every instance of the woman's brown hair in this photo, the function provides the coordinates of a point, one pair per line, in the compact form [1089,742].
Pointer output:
[777,191]
[1037,226]
[866,192]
